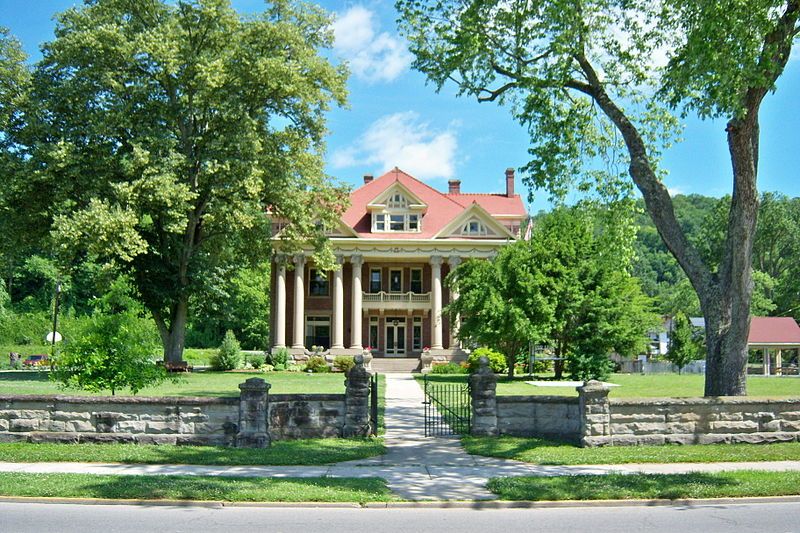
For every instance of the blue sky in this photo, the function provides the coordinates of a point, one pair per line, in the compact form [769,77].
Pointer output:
[394,118]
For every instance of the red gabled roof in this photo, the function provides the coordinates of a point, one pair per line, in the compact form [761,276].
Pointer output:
[495,204]
[442,208]
[773,330]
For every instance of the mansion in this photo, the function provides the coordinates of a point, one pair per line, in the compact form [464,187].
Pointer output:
[396,244]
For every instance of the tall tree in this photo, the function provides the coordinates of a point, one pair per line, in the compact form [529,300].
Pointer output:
[172,132]
[500,303]
[581,76]
[598,307]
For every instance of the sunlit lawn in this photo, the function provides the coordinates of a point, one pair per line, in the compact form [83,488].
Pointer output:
[647,486]
[190,384]
[637,385]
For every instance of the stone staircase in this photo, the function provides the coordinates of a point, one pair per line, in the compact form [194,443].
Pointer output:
[384,365]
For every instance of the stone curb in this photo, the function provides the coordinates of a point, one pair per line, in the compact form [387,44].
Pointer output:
[473,504]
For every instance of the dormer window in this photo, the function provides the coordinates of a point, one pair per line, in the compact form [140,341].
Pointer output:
[473,228]
[397,211]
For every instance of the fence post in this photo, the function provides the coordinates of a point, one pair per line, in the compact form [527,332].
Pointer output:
[483,394]
[253,411]
[595,413]
[356,401]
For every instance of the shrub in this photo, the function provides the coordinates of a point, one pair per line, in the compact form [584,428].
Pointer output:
[317,364]
[229,356]
[267,368]
[115,349]
[344,363]
[257,361]
[497,361]
[279,358]
[449,368]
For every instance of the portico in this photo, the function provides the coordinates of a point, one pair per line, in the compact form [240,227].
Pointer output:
[397,244]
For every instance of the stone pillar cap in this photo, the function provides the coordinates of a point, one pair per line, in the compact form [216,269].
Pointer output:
[254,384]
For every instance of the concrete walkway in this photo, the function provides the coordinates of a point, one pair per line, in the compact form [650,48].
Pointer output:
[415,467]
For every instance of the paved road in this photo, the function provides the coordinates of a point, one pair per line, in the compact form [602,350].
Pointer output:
[70,518]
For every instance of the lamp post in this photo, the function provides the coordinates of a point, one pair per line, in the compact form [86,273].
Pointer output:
[55,320]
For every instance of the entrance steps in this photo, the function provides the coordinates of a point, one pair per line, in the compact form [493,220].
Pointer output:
[384,365]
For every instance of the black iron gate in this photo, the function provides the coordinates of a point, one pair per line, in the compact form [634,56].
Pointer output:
[448,408]
[373,404]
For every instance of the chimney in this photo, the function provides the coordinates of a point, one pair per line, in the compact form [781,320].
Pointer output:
[368,178]
[510,182]
[454,187]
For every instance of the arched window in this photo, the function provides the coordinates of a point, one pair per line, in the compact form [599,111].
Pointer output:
[473,228]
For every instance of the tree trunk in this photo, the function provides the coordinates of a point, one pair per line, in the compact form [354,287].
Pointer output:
[173,348]
[173,335]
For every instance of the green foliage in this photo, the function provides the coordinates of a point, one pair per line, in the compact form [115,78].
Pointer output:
[229,356]
[232,299]
[317,364]
[114,351]
[343,363]
[497,361]
[501,303]
[451,368]
[159,151]
[683,347]
[280,358]
[257,361]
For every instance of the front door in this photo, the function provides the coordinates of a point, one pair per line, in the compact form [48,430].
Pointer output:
[395,337]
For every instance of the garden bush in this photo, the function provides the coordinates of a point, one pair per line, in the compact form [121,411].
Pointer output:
[279,358]
[344,363]
[257,361]
[449,368]
[317,365]
[497,361]
[229,356]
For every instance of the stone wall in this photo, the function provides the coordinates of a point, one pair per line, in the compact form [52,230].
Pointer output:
[701,421]
[306,416]
[119,419]
[253,419]
[555,417]
[592,419]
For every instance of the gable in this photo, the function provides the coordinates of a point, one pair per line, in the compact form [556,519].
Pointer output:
[474,223]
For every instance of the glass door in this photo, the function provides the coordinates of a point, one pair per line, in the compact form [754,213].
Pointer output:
[395,337]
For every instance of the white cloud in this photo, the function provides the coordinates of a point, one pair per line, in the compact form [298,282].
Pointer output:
[673,191]
[403,140]
[372,56]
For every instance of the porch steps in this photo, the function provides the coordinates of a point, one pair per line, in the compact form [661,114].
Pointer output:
[386,365]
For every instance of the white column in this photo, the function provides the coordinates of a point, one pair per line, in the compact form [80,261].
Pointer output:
[454,261]
[766,362]
[355,323]
[280,304]
[299,302]
[338,305]
[436,314]
[779,362]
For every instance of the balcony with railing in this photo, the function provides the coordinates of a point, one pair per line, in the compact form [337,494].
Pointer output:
[396,300]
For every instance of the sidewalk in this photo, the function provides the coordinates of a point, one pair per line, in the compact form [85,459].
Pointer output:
[415,467]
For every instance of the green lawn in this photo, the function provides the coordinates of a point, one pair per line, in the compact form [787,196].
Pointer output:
[647,486]
[284,452]
[547,452]
[231,489]
[640,386]
[191,384]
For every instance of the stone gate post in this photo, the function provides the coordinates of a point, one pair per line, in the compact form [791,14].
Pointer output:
[595,414]
[356,401]
[483,392]
[253,410]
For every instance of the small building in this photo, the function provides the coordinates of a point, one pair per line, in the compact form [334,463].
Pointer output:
[778,340]
[396,243]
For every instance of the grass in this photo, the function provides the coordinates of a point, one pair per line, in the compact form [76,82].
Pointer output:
[231,489]
[547,452]
[641,386]
[295,452]
[647,486]
[190,384]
